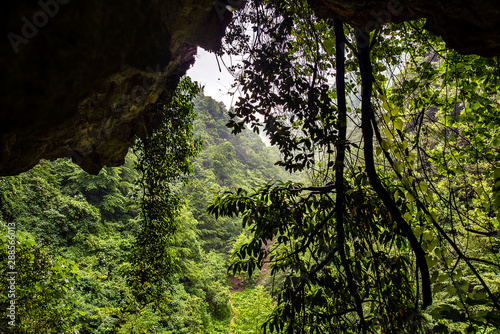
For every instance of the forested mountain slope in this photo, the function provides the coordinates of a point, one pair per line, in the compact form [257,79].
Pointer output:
[76,231]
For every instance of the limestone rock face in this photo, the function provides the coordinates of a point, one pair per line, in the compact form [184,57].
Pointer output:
[81,79]
[469,26]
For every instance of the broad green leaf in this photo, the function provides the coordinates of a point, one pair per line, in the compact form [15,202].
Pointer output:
[451,289]
[423,186]
[398,167]
[409,196]
[398,124]
[394,110]
[388,133]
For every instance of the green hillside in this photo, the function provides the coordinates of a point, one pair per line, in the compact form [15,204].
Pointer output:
[76,232]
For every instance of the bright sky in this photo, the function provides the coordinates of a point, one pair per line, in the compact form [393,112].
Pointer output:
[217,82]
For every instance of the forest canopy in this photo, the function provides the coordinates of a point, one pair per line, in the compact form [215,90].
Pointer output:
[85,256]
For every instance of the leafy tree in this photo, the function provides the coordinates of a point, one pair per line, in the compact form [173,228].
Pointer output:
[163,157]
[252,307]
[37,204]
[66,212]
[367,243]
[225,162]
[38,286]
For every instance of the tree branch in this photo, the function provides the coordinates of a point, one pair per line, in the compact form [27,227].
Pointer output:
[316,190]
[366,115]
[340,165]
[488,233]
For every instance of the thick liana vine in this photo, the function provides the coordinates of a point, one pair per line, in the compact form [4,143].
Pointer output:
[163,158]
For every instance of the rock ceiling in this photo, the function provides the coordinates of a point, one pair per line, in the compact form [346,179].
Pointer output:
[81,79]
[469,26]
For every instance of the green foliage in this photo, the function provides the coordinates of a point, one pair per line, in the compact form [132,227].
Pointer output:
[293,232]
[42,209]
[226,162]
[37,286]
[68,213]
[163,157]
[396,210]
[252,307]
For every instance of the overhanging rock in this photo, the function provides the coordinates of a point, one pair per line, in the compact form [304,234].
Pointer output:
[465,25]
[82,79]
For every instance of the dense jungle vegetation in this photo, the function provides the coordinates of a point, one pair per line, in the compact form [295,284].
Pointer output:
[77,234]
[381,214]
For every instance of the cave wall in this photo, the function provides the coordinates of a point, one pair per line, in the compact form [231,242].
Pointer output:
[468,26]
[81,79]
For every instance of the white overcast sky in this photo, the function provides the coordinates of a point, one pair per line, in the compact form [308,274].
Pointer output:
[217,82]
